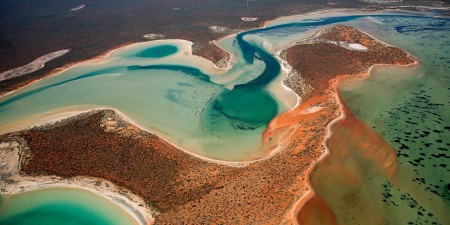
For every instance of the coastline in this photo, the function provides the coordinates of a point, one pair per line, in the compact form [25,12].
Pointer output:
[310,191]
[114,193]
[71,113]
[335,87]
[132,204]
[15,152]
[64,68]
[33,66]
[339,12]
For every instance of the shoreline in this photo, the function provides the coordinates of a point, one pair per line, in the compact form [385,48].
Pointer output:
[108,53]
[335,88]
[263,24]
[64,68]
[130,203]
[32,66]
[72,113]
[15,152]
[296,206]
[340,12]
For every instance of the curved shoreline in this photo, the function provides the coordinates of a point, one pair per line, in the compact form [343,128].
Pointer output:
[64,68]
[15,151]
[297,206]
[75,111]
[120,197]
[335,86]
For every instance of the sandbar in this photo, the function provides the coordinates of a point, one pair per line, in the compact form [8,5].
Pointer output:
[32,66]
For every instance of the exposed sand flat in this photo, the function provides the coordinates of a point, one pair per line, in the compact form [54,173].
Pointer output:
[249,19]
[153,36]
[185,49]
[32,66]
[357,46]
[219,29]
[350,46]
[184,56]
[78,7]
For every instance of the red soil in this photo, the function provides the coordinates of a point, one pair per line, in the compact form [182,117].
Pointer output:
[352,141]
[353,146]
[185,189]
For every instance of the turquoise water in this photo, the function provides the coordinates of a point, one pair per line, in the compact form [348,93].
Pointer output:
[219,114]
[158,51]
[60,206]
[222,114]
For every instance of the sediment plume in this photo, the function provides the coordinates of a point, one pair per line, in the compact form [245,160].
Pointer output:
[355,150]
[357,155]
[182,188]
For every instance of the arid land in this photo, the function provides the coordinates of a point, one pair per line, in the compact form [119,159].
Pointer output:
[29,31]
[185,189]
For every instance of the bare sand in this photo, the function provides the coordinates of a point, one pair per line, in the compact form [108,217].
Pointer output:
[80,7]
[387,159]
[12,182]
[249,19]
[33,66]
[153,36]
[300,112]
[186,50]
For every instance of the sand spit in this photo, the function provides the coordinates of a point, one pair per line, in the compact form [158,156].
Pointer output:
[59,70]
[80,7]
[186,46]
[32,66]
[153,36]
[359,64]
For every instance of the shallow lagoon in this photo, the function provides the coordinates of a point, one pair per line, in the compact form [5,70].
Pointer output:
[217,113]
[61,206]
[221,114]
